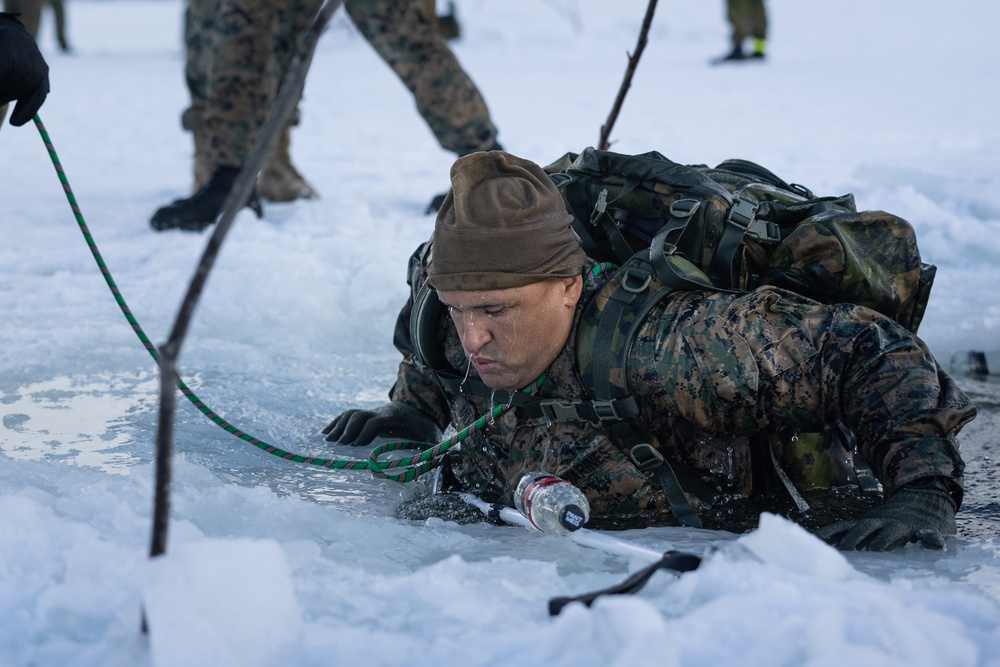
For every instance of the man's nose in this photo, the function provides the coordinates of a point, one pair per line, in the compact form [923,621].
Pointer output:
[476,334]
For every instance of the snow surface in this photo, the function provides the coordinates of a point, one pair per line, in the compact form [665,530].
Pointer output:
[275,563]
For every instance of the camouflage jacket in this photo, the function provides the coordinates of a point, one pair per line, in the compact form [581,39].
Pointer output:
[712,373]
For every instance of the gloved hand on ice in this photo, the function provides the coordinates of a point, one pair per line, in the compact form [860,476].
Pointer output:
[912,514]
[393,420]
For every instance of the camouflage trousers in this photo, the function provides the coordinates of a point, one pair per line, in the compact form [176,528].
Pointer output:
[747,19]
[239,50]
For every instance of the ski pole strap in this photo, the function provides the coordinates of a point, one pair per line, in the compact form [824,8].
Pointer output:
[673,561]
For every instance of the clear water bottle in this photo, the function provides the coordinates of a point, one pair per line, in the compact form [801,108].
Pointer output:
[550,503]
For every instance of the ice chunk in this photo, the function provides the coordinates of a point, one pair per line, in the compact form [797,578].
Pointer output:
[220,602]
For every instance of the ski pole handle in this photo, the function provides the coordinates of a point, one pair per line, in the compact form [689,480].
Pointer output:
[673,561]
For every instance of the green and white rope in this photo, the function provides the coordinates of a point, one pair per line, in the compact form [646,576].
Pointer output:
[402,470]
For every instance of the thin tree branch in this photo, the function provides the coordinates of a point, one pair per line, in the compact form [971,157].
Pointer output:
[633,62]
[285,102]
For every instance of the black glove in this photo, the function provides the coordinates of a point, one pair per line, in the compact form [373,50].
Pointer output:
[24,76]
[912,514]
[393,420]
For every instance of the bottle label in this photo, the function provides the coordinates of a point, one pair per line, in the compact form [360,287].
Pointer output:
[533,488]
[572,518]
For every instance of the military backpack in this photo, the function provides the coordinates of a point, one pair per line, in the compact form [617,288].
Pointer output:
[738,226]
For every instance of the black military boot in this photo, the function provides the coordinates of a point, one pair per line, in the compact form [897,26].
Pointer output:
[736,55]
[203,207]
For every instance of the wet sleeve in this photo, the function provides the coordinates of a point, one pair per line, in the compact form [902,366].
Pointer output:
[772,359]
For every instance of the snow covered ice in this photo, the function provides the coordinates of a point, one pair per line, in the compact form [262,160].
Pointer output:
[275,563]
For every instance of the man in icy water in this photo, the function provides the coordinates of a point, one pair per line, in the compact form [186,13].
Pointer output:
[729,393]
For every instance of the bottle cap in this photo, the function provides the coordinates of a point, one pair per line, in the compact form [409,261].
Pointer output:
[572,517]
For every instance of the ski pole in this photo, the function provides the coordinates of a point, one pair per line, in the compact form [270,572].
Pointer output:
[675,562]
[552,505]
[583,536]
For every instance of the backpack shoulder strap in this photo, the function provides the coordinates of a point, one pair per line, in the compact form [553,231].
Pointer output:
[426,311]
[607,329]
[604,340]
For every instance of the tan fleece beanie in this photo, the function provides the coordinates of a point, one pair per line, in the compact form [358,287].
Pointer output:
[504,224]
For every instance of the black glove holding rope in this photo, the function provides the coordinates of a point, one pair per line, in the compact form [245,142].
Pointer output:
[920,512]
[394,420]
[24,76]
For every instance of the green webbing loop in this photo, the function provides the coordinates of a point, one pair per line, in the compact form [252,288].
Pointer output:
[408,468]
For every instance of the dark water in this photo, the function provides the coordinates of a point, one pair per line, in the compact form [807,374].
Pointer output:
[980,513]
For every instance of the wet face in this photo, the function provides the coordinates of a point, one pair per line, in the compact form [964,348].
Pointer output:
[512,335]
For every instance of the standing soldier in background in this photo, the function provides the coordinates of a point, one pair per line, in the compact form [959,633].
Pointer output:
[245,57]
[31,15]
[748,19]
[271,50]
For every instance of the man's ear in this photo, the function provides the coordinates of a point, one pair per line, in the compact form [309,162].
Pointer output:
[573,288]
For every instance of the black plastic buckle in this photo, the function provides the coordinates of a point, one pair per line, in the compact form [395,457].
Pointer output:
[561,411]
[600,206]
[493,516]
[567,411]
[645,457]
[606,411]
[684,208]
[743,213]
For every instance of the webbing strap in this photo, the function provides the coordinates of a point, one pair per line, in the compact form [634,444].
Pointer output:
[456,384]
[609,226]
[674,561]
[604,339]
[743,220]
[611,350]
[610,343]
[679,505]
[673,269]
[800,502]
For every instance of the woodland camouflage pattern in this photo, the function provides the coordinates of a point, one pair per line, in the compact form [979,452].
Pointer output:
[828,250]
[868,258]
[239,50]
[713,372]
[845,257]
